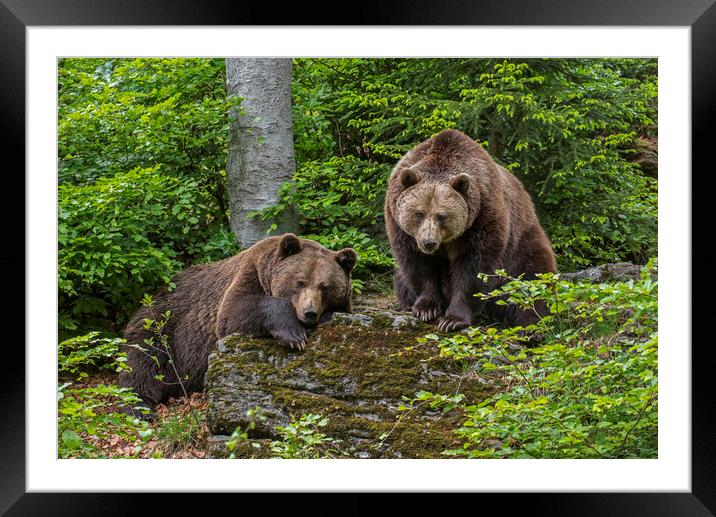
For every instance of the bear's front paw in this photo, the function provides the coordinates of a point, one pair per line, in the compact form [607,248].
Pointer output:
[427,309]
[452,323]
[292,337]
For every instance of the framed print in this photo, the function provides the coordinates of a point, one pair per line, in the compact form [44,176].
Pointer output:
[49,47]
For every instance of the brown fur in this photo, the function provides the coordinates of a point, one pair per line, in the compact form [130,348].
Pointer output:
[451,212]
[275,288]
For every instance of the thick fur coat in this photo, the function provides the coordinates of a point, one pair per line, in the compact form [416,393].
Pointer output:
[279,287]
[451,212]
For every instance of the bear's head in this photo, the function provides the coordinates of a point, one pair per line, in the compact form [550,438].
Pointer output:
[432,212]
[316,280]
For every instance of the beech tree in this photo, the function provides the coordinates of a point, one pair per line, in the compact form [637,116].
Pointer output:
[261,155]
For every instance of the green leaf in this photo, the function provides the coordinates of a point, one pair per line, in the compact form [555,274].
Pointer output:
[71,440]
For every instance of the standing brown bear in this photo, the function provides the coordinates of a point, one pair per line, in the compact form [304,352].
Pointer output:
[278,287]
[451,212]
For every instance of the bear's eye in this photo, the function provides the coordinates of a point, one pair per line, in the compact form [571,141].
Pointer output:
[419,216]
[300,284]
[440,218]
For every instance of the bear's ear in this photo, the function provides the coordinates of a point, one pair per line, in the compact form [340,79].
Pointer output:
[461,183]
[347,258]
[409,177]
[289,245]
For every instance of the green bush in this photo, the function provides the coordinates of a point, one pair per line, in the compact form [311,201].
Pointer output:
[142,156]
[589,390]
[80,354]
[122,236]
[88,416]
[566,128]
[299,439]
[119,114]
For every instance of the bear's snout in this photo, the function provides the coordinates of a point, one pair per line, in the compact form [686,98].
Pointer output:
[310,315]
[429,245]
[308,306]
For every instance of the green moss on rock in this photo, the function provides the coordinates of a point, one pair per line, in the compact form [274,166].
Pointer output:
[355,371]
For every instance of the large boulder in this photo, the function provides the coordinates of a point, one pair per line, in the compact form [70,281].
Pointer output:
[355,371]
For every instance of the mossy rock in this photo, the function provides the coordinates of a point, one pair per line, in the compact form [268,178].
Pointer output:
[355,371]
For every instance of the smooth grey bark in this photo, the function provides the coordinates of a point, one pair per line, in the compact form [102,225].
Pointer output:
[261,155]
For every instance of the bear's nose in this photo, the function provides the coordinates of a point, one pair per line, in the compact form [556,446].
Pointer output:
[430,245]
[310,315]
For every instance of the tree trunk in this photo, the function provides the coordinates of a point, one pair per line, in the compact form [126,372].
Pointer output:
[261,156]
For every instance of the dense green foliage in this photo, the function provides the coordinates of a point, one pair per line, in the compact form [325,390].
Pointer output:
[120,236]
[299,439]
[589,390]
[79,354]
[142,157]
[92,422]
[119,114]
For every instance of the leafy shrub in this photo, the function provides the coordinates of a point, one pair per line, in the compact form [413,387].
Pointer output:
[90,352]
[142,156]
[122,236]
[119,114]
[300,439]
[220,244]
[338,192]
[589,390]
[566,128]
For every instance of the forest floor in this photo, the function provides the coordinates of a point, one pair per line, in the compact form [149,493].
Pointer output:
[179,431]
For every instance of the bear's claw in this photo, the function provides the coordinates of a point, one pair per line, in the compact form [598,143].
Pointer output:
[426,309]
[296,338]
[426,314]
[452,323]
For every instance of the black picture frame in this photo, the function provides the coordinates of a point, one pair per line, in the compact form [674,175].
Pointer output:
[17,15]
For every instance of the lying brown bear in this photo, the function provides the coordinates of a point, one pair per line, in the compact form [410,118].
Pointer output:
[451,212]
[278,287]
